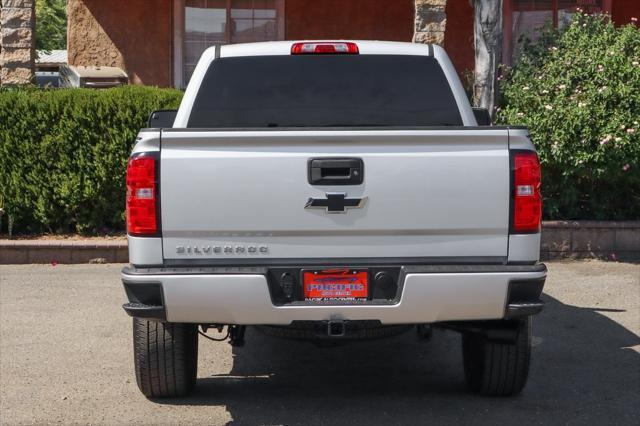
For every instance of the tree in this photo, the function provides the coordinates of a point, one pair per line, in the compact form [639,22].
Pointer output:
[51,24]
[488,47]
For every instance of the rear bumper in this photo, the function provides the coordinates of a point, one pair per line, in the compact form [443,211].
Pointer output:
[429,294]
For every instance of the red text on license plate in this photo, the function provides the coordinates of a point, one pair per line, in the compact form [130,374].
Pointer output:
[335,284]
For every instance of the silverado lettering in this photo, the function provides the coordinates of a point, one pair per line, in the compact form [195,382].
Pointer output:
[221,249]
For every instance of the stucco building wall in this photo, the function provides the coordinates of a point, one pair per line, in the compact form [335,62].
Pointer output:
[133,35]
[137,36]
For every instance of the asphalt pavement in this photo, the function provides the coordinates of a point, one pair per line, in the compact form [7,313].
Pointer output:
[66,357]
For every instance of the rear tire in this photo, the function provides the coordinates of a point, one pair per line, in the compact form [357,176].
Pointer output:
[497,368]
[165,358]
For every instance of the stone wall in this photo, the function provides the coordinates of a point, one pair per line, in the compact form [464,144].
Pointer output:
[591,239]
[430,21]
[17,41]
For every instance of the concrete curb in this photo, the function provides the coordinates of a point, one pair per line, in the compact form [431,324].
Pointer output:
[63,251]
[560,240]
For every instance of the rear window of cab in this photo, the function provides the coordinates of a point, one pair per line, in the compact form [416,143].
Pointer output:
[324,91]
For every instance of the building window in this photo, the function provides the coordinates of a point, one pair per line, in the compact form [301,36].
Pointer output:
[525,18]
[201,24]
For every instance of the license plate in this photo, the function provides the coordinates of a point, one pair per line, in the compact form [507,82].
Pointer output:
[335,284]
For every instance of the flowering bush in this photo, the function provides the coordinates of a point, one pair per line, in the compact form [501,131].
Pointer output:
[578,91]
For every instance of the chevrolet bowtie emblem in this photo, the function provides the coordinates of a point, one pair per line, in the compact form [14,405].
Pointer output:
[336,202]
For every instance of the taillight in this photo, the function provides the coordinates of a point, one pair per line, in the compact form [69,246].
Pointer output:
[526,196]
[142,196]
[330,47]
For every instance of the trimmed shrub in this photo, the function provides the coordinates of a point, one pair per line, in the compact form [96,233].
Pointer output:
[63,154]
[578,91]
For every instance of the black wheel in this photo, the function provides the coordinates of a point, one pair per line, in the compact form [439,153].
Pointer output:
[165,357]
[496,368]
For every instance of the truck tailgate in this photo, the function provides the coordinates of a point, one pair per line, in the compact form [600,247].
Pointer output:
[238,195]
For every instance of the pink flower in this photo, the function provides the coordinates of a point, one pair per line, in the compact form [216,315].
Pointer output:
[626,167]
[606,140]
[634,19]
[631,131]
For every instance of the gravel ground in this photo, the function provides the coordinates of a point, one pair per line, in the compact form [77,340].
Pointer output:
[66,357]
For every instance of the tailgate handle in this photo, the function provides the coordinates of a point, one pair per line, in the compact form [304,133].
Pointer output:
[336,171]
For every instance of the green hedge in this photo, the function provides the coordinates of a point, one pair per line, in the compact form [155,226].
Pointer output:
[578,91]
[63,155]
[63,152]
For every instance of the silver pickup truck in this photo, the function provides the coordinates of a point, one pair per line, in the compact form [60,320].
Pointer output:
[331,191]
